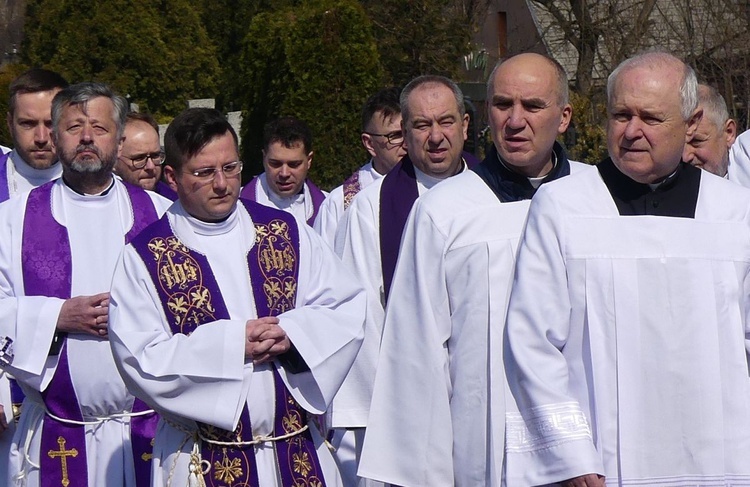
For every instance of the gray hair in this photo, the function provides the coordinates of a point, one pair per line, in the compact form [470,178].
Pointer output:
[563,97]
[688,86]
[714,106]
[426,80]
[80,94]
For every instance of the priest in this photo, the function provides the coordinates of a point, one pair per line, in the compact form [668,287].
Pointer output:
[434,124]
[32,162]
[287,157]
[80,425]
[440,385]
[236,322]
[627,327]
[383,140]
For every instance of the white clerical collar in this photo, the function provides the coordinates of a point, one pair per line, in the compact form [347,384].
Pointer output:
[534,182]
[208,228]
[32,174]
[370,169]
[84,196]
[279,201]
[429,181]
[669,178]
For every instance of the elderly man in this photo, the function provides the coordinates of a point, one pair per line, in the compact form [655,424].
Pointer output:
[287,157]
[627,324]
[708,148]
[434,125]
[142,157]
[235,321]
[33,160]
[442,337]
[383,140]
[80,425]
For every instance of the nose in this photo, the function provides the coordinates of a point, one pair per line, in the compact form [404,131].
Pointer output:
[436,134]
[41,135]
[516,117]
[633,128]
[87,133]
[284,171]
[220,181]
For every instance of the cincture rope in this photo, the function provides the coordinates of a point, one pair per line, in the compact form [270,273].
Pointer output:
[44,411]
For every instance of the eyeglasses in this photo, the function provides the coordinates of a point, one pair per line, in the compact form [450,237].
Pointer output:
[229,170]
[394,138]
[139,161]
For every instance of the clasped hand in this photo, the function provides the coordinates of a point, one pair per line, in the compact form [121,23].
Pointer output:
[265,339]
[85,314]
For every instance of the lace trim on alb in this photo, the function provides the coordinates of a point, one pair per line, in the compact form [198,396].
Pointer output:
[545,426]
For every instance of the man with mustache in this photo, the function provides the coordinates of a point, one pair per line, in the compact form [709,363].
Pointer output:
[80,425]
[33,160]
[32,163]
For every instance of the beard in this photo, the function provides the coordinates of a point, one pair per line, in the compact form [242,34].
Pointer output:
[89,159]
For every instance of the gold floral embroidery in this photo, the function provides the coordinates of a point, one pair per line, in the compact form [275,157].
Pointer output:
[227,470]
[301,463]
[277,259]
[180,277]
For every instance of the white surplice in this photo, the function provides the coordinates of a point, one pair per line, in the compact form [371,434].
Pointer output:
[626,340]
[204,377]
[332,209]
[96,227]
[300,205]
[437,413]
[739,160]
[23,178]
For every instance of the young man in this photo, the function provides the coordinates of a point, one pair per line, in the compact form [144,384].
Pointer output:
[235,322]
[287,156]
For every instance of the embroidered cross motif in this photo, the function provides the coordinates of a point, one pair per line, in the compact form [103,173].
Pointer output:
[63,455]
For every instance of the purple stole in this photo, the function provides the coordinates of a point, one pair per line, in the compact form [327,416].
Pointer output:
[163,189]
[47,271]
[250,192]
[4,186]
[397,195]
[191,297]
[352,186]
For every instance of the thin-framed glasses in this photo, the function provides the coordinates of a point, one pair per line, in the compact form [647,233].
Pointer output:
[229,170]
[394,138]
[139,160]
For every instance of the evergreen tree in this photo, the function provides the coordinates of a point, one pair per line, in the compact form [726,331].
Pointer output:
[317,62]
[157,53]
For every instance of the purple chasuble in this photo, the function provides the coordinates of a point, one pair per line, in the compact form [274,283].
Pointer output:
[352,186]
[47,270]
[191,297]
[4,183]
[250,192]
[397,195]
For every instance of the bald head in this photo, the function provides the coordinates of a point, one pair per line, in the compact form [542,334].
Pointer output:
[527,105]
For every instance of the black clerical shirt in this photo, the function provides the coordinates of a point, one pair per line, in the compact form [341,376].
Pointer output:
[677,196]
[509,186]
